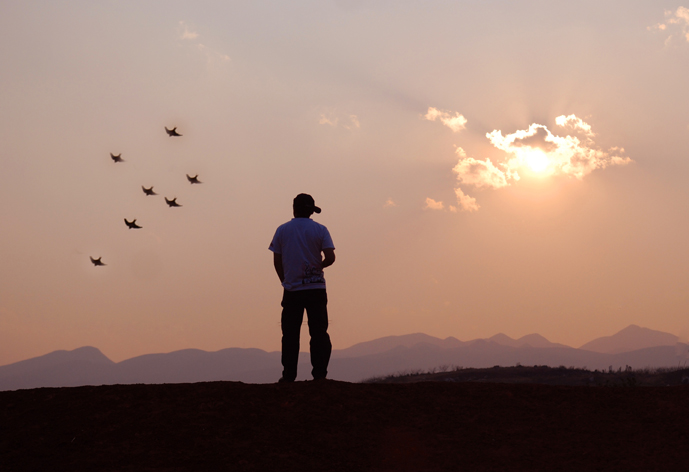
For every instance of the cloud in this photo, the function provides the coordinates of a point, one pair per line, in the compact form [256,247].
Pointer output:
[466,202]
[676,24]
[566,155]
[186,32]
[331,118]
[536,150]
[213,57]
[327,120]
[572,121]
[353,123]
[682,14]
[389,203]
[456,123]
[433,205]
[479,173]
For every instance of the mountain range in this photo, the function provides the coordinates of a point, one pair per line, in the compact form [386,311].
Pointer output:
[633,346]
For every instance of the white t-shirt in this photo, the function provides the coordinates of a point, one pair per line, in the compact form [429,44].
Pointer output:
[300,242]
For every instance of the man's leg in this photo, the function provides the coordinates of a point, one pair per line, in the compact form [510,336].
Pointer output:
[317,312]
[292,317]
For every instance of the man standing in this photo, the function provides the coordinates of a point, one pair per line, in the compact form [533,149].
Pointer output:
[297,247]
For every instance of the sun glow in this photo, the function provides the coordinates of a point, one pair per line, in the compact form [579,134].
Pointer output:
[536,160]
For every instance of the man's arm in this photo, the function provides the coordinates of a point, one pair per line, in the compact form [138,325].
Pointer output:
[277,262]
[328,257]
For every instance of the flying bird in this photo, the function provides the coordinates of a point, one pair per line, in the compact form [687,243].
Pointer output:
[117,158]
[96,262]
[172,132]
[132,224]
[194,179]
[148,191]
[172,203]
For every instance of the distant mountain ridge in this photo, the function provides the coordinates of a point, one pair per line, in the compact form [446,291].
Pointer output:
[55,358]
[388,343]
[630,338]
[533,340]
[379,357]
[408,340]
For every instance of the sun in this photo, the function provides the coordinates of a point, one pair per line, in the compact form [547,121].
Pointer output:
[536,160]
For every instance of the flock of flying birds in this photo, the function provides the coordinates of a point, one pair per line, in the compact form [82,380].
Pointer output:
[148,192]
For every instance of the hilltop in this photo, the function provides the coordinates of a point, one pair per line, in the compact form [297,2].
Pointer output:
[339,426]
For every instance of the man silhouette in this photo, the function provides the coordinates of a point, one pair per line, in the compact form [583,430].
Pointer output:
[297,247]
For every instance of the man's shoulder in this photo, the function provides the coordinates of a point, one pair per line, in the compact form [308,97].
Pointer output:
[284,225]
[318,225]
[301,223]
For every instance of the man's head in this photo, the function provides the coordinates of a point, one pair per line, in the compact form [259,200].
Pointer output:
[304,206]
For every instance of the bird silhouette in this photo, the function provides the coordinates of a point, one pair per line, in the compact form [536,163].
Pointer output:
[148,191]
[194,179]
[96,262]
[172,132]
[132,224]
[172,203]
[117,158]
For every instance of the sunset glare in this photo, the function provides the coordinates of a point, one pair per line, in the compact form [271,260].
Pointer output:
[536,160]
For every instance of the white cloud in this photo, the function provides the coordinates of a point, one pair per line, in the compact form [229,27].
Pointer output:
[572,121]
[682,13]
[479,173]
[327,120]
[332,118]
[186,33]
[433,205]
[466,202]
[563,154]
[535,150]
[456,123]
[389,203]
[676,24]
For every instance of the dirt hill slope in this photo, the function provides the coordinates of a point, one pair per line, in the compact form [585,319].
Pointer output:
[339,426]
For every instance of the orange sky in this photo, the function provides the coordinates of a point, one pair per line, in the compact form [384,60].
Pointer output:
[483,167]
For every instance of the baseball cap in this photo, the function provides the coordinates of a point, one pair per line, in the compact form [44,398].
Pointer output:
[306,202]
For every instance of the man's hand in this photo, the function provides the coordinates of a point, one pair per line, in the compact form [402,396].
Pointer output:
[328,257]
[277,262]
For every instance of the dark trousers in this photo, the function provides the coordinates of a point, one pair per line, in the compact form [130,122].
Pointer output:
[315,303]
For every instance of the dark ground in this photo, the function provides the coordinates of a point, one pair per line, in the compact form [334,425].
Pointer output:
[327,425]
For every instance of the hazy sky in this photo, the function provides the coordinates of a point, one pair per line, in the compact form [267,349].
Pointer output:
[483,167]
